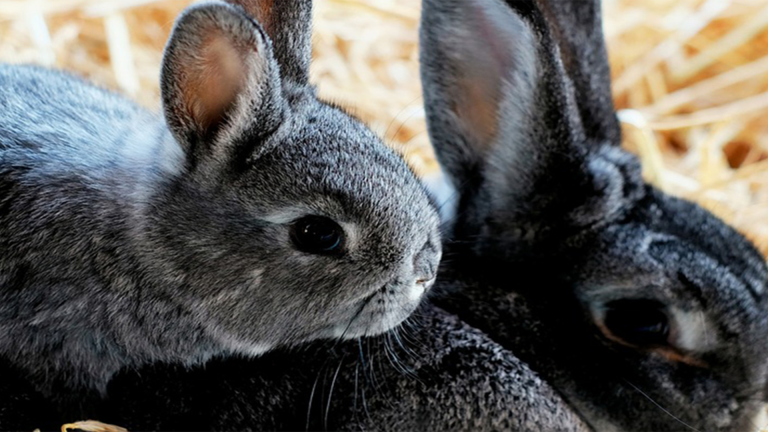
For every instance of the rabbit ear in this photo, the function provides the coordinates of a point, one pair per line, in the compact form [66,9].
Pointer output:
[578,29]
[477,58]
[289,25]
[502,115]
[218,77]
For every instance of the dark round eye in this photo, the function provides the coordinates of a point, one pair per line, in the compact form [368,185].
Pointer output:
[317,235]
[637,322]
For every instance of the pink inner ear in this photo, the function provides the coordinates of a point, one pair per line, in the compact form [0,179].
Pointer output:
[484,66]
[477,104]
[215,80]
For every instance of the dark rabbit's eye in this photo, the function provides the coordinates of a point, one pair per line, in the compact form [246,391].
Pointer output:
[637,322]
[317,235]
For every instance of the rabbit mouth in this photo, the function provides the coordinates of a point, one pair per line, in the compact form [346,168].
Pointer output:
[384,309]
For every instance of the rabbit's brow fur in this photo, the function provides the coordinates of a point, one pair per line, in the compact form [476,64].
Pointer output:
[552,220]
[127,239]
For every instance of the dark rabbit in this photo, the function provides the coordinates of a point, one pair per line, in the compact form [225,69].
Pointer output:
[441,375]
[254,217]
[644,311]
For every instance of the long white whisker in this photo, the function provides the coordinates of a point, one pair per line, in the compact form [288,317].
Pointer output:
[330,392]
[661,407]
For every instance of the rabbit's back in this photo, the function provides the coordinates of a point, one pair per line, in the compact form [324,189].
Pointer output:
[72,154]
[73,159]
[75,164]
[53,121]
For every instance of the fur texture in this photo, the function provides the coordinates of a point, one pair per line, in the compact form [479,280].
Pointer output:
[553,223]
[555,227]
[127,239]
[445,376]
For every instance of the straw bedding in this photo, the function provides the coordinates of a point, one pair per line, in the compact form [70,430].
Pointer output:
[690,79]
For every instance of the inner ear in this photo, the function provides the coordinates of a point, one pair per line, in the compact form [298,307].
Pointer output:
[480,72]
[214,83]
[477,104]
[218,73]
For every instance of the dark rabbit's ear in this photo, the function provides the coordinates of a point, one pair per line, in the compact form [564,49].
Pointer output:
[577,27]
[504,121]
[475,54]
[218,77]
[289,25]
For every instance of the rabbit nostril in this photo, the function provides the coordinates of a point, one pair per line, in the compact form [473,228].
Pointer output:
[425,280]
[426,260]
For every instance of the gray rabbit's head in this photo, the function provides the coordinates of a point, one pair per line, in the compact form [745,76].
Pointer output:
[292,220]
[645,311]
[254,216]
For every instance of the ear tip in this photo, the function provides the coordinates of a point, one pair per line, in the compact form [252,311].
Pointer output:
[199,19]
[213,11]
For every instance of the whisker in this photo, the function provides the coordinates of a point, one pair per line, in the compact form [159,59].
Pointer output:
[392,357]
[386,132]
[323,368]
[312,393]
[381,371]
[352,320]
[365,375]
[330,392]
[402,124]
[407,350]
[661,407]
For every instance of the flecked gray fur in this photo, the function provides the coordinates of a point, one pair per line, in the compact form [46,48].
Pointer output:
[128,239]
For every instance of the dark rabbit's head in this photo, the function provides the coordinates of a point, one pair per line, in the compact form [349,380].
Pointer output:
[291,220]
[646,311]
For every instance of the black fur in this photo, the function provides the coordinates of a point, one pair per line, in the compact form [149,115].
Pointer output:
[554,222]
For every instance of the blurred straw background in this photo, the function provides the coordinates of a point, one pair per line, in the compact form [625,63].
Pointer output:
[690,78]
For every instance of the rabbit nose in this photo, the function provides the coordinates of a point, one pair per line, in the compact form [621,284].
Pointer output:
[425,263]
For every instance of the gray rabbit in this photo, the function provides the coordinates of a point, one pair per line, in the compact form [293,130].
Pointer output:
[644,311]
[253,216]
[639,311]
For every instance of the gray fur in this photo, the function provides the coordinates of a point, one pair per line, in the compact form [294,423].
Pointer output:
[554,221]
[125,241]
[289,25]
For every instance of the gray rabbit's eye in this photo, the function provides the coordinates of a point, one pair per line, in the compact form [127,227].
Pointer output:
[317,235]
[638,322]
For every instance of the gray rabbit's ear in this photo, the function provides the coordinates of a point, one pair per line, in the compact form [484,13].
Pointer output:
[218,77]
[289,25]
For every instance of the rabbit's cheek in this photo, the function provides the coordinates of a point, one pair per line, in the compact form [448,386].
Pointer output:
[694,332]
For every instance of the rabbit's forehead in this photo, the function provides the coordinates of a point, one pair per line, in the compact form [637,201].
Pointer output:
[675,240]
[633,255]
[327,163]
